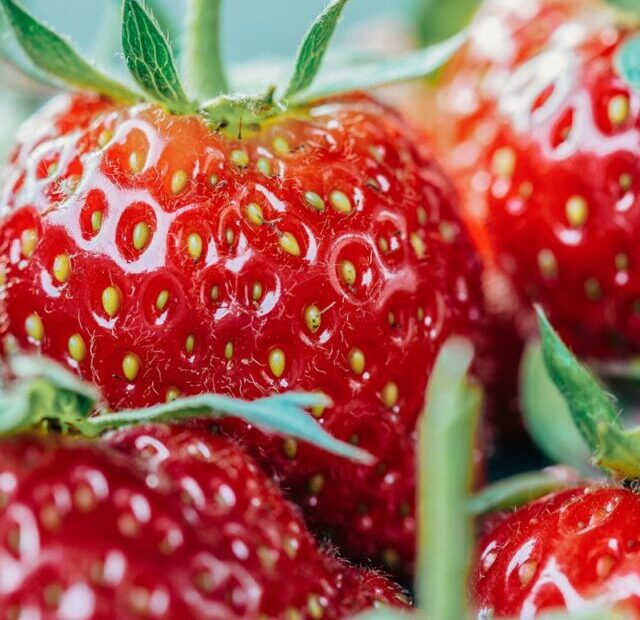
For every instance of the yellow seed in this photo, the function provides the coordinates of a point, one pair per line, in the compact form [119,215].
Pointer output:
[290,244]
[577,211]
[314,200]
[383,244]
[161,301]
[447,231]
[104,138]
[340,202]
[314,605]
[547,264]
[61,268]
[190,344]
[418,245]
[229,236]
[228,350]
[348,272]
[526,189]
[34,327]
[422,216]
[604,566]
[318,410]
[215,293]
[592,288]
[213,180]
[281,146]
[240,158]
[420,314]
[111,300]
[173,393]
[618,110]
[28,241]
[96,221]
[136,162]
[254,213]
[178,182]
[377,152]
[356,361]
[264,166]
[391,319]
[277,362]
[313,318]
[256,291]
[316,484]
[77,348]
[622,262]
[504,162]
[526,572]
[290,447]
[390,394]
[131,366]
[52,169]
[626,180]
[194,245]
[141,234]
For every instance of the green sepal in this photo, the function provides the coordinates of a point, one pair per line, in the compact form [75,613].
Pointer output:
[55,56]
[446,438]
[314,47]
[627,62]
[630,6]
[546,414]
[150,58]
[379,72]
[521,489]
[387,613]
[592,409]
[235,113]
[439,20]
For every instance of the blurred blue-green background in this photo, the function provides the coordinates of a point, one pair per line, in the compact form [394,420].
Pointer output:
[253,29]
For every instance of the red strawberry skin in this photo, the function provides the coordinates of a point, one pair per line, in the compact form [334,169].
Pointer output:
[552,172]
[321,252]
[560,551]
[87,530]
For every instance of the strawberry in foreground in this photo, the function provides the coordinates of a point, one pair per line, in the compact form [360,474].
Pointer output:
[577,548]
[546,144]
[160,521]
[244,245]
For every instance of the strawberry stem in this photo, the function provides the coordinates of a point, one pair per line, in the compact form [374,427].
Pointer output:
[205,69]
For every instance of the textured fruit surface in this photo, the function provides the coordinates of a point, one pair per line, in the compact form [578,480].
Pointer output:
[90,533]
[548,139]
[321,252]
[560,551]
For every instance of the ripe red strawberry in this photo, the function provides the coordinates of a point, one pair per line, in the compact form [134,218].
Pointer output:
[89,533]
[547,148]
[317,250]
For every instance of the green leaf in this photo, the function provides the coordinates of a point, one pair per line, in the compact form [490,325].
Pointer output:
[313,49]
[381,72]
[591,407]
[283,414]
[205,69]
[150,58]
[446,435]
[521,489]
[385,614]
[51,53]
[627,62]
[546,414]
[439,20]
[630,6]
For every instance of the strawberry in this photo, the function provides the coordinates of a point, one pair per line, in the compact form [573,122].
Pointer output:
[91,533]
[546,146]
[245,247]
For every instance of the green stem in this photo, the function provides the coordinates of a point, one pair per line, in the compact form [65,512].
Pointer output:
[205,70]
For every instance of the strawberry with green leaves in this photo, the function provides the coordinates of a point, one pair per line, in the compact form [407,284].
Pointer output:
[156,521]
[544,137]
[302,238]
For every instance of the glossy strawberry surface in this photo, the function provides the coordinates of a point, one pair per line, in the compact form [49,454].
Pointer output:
[549,156]
[570,550]
[89,533]
[321,251]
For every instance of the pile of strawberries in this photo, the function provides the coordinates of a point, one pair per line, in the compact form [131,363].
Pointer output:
[211,263]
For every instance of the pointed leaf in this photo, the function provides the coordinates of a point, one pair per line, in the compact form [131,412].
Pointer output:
[150,58]
[313,48]
[627,61]
[51,53]
[382,72]
[546,414]
[521,489]
[272,414]
[446,435]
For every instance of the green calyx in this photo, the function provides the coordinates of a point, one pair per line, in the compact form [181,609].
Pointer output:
[46,397]
[152,64]
[594,412]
